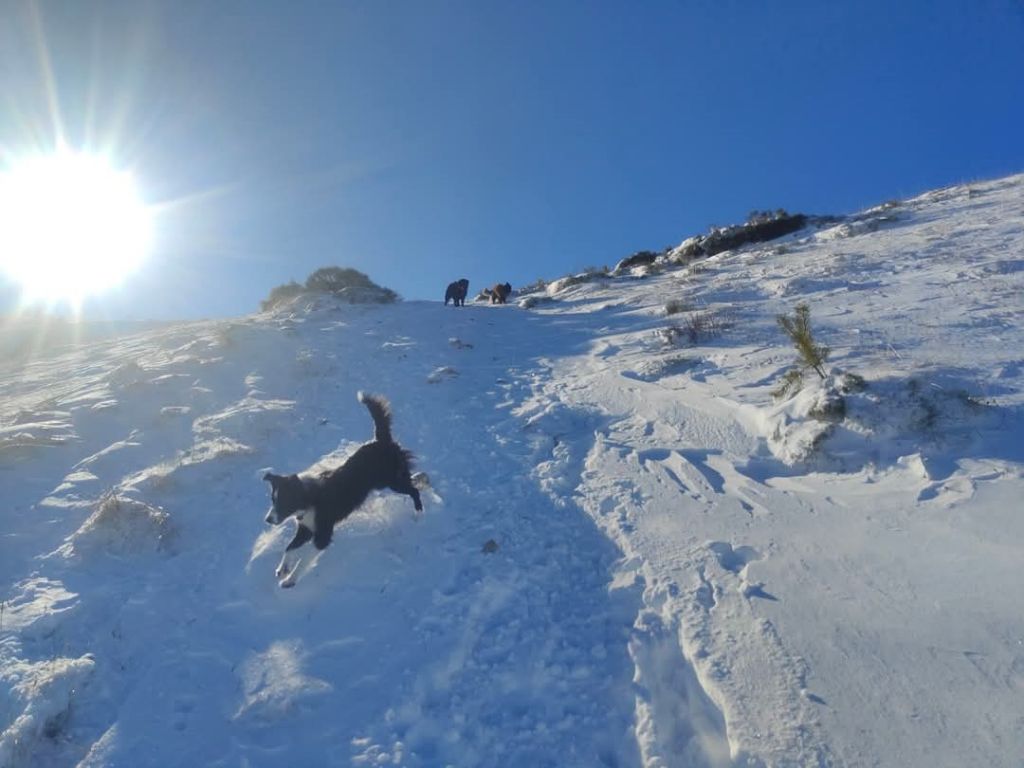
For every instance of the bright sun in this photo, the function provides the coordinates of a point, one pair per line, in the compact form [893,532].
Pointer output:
[71,226]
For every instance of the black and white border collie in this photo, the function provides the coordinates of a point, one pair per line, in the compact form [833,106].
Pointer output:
[319,503]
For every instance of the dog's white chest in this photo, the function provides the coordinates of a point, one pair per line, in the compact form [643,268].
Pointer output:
[307,519]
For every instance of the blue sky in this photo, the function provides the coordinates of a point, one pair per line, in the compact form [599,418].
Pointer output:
[425,141]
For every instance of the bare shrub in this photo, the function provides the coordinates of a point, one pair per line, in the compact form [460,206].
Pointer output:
[675,306]
[703,325]
[539,284]
[695,328]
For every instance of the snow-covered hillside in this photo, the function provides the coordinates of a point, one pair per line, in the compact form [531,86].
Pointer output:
[633,555]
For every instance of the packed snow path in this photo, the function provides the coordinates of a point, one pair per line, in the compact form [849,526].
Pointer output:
[632,555]
[408,644]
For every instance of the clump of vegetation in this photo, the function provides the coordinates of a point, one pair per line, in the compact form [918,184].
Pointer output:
[703,325]
[347,283]
[695,328]
[763,217]
[831,407]
[638,259]
[811,356]
[694,270]
[924,412]
[851,382]
[760,227]
[280,294]
[539,284]
[675,306]
[335,279]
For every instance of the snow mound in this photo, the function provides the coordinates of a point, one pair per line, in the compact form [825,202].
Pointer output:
[840,419]
[42,694]
[797,426]
[562,284]
[651,370]
[36,430]
[121,526]
[443,373]
[274,684]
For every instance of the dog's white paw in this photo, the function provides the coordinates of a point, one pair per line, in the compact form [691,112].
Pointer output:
[286,583]
[282,570]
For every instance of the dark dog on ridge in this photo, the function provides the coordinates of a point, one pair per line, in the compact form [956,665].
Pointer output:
[500,292]
[320,502]
[456,293]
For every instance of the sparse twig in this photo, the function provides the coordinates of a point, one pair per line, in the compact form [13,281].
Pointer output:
[703,325]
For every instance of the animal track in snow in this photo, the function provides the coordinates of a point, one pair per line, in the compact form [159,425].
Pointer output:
[663,458]
[733,559]
[687,468]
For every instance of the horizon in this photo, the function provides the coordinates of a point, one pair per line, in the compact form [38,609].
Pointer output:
[421,144]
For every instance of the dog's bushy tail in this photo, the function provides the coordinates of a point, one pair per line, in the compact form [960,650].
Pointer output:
[381,413]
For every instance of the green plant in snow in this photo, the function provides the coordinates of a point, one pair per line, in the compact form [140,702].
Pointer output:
[811,356]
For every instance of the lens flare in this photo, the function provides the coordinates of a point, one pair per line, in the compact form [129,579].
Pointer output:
[71,226]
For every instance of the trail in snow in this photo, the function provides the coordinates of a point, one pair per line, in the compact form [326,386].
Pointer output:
[787,556]
[408,643]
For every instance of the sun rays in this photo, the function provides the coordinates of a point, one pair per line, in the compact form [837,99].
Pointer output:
[73,226]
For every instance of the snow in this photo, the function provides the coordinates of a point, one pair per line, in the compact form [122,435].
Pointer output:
[632,554]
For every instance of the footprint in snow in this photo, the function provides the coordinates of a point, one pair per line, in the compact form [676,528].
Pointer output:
[441,374]
[733,559]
